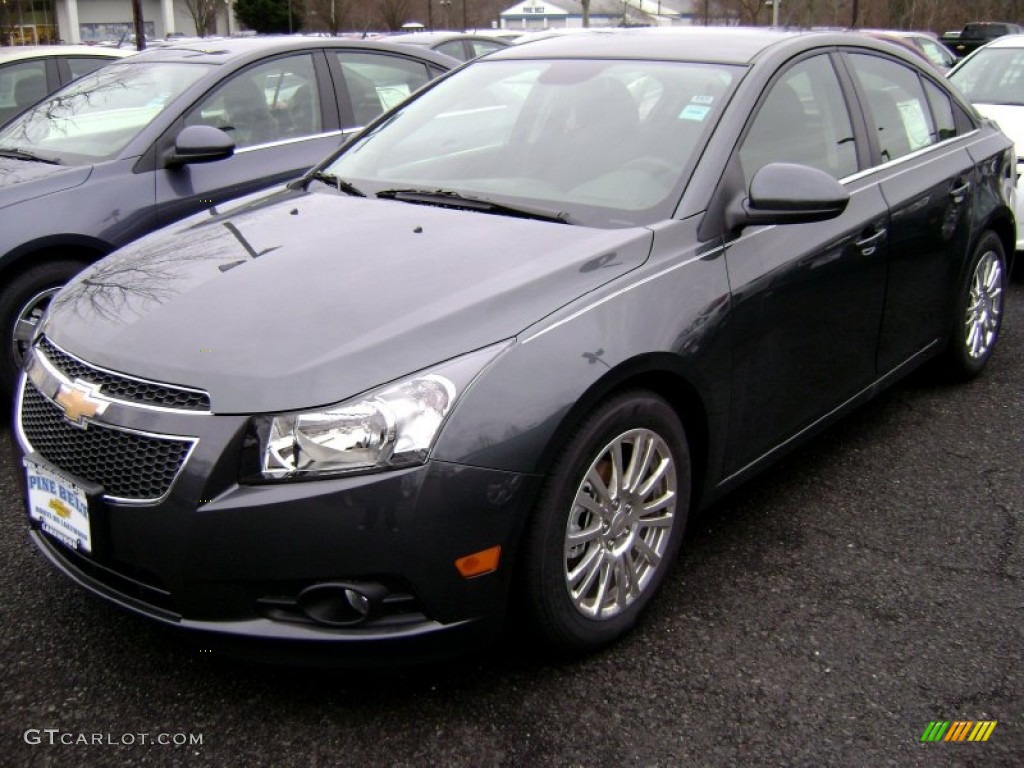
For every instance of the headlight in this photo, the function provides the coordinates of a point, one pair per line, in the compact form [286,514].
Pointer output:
[393,426]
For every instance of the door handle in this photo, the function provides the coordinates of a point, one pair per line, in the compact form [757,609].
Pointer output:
[870,243]
[960,193]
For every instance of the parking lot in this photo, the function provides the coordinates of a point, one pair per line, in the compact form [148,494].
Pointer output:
[824,615]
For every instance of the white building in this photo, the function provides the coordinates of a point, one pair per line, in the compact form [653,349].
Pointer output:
[84,21]
[536,15]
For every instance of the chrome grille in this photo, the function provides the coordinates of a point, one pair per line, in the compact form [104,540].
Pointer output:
[117,387]
[128,465]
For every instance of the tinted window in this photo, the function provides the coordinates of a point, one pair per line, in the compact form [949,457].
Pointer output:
[269,102]
[942,111]
[480,47]
[898,111]
[607,142]
[377,82]
[84,65]
[452,48]
[803,120]
[21,84]
[936,52]
[96,116]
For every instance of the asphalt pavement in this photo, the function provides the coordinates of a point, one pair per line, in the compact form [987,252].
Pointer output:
[824,615]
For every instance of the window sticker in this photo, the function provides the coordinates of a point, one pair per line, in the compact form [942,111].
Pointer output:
[390,95]
[695,112]
[914,123]
[701,99]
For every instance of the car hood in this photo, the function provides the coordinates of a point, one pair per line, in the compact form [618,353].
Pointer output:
[1010,120]
[301,299]
[25,179]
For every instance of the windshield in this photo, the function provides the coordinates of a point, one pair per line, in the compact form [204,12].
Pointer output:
[992,76]
[95,117]
[607,142]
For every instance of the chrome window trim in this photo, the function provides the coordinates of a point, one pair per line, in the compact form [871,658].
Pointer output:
[286,142]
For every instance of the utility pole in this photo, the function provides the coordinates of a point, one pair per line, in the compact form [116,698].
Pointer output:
[140,29]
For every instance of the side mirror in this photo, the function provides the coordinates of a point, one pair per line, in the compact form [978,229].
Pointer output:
[784,193]
[200,144]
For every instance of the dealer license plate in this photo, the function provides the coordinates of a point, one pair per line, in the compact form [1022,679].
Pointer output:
[59,505]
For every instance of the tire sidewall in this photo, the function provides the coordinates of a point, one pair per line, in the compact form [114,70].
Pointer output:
[19,288]
[961,363]
[564,627]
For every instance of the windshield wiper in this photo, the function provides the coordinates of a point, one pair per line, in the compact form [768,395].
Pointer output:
[22,154]
[447,198]
[338,183]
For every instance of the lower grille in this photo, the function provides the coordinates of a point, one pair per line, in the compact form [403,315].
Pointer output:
[128,465]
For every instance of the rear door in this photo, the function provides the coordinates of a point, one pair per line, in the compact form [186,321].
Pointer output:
[928,180]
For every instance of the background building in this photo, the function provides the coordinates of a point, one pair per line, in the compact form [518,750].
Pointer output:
[560,14]
[86,21]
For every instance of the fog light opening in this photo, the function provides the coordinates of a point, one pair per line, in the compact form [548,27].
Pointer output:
[340,605]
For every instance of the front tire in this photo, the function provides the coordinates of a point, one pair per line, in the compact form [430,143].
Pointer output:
[979,311]
[609,523]
[23,301]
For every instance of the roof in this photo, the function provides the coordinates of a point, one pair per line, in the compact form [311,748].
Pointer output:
[14,53]
[433,38]
[724,45]
[229,49]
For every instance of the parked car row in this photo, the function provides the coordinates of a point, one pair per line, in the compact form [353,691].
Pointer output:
[162,134]
[484,360]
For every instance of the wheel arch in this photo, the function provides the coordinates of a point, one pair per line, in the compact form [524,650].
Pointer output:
[73,247]
[663,374]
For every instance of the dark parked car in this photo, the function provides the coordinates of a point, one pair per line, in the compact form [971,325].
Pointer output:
[505,342]
[166,133]
[976,34]
[458,45]
[28,73]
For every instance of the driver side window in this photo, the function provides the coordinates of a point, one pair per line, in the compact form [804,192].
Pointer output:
[269,102]
[803,120]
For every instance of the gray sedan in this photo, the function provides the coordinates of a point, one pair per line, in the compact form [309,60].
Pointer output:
[486,360]
[157,136]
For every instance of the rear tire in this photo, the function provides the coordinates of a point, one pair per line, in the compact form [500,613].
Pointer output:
[608,525]
[23,301]
[978,311]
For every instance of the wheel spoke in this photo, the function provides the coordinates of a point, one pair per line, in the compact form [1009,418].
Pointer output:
[666,499]
[604,496]
[622,583]
[655,477]
[605,569]
[581,578]
[633,568]
[648,553]
[592,505]
[615,486]
[582,536]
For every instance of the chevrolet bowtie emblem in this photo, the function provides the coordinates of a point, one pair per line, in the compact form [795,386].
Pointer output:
[80,401]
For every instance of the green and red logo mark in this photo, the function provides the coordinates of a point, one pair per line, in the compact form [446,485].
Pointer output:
[959,730]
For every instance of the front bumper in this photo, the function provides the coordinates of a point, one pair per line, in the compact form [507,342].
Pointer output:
[230,561]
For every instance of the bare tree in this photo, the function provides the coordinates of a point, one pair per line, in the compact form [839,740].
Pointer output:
[204,15]
[329,15]
[394,13]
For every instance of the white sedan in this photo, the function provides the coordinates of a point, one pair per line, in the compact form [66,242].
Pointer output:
[992,79]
